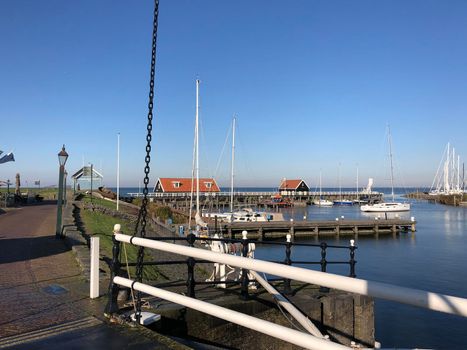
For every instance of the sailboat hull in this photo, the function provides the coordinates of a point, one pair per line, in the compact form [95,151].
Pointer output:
[385,207]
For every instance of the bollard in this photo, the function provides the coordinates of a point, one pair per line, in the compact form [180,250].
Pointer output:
[292,228]
[352,258]
[112,304]
[412,219]
[323,264]
[244,278]
[94,279]
[190,262]
[288,261]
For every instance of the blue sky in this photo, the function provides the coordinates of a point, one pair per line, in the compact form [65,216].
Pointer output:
[313,85]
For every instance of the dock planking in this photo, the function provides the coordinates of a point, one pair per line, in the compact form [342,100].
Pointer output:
[312,228]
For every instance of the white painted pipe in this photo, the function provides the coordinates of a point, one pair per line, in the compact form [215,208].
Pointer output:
[287,334]
[421,298]
[94,278]
[286,304]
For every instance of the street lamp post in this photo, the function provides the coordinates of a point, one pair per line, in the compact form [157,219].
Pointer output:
[64,188]
[62,158]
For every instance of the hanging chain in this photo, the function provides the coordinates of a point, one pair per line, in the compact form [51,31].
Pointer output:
[142,215]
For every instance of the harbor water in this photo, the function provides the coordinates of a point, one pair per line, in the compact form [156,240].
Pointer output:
[434,258]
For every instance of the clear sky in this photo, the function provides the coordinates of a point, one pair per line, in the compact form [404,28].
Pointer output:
[313,84]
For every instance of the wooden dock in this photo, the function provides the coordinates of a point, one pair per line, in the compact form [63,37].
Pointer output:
[221,200]
[315,228]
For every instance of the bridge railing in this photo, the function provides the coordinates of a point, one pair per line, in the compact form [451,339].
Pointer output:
[416,297]
[425,299]
[241,247]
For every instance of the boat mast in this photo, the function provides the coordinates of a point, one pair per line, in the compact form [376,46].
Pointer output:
[358,197]
[319,201]
[390,162]
[446,171]
[232,166]
[458,187]
[340,186]
[197,145]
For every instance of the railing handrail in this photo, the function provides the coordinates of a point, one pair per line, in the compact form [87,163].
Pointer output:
[416,297]
[302,339]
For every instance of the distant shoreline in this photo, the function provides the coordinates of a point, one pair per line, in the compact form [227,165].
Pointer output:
[450,199]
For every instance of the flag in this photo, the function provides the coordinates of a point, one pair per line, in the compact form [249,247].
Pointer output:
[7,158]
[37,183]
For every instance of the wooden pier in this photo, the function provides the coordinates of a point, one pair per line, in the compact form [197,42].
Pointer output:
[316,228]
[221,200]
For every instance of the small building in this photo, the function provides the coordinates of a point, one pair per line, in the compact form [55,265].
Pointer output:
[184,185]
[86,178]
[293,186]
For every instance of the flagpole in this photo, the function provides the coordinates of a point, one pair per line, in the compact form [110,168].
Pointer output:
[118,169]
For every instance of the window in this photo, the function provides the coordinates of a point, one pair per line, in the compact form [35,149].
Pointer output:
[176,184]
[208,184]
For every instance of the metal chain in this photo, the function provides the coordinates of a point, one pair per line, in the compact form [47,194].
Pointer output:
[141,222]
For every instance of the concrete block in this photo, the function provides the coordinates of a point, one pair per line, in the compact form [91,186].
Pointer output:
[364,320]
[338,317]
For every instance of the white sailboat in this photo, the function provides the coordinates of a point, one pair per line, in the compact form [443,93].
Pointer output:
[200,224]
[320,201]
[387,206]
[448,181]
[245,214]
[341,201]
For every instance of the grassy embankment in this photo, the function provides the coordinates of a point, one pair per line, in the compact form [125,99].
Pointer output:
[101,225]
[46,192]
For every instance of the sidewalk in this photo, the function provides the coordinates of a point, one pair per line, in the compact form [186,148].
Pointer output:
[44,298]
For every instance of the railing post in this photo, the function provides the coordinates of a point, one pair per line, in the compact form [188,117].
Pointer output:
[94,273]
[244,279]
[288,261]
[190,283]
[112,303]
[323,264]
[352,258]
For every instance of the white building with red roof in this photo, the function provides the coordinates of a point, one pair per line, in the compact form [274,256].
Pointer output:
[184,185]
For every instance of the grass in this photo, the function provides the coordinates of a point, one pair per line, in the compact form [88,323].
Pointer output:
[99,201]
[101,225]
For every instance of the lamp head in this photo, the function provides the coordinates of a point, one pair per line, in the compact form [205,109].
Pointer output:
[62,156]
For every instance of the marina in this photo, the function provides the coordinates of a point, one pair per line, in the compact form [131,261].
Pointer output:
[196,257]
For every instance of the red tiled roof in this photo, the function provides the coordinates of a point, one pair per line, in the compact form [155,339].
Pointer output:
[290,184]
[175,184]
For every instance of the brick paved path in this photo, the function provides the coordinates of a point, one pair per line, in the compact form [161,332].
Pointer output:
[40,281]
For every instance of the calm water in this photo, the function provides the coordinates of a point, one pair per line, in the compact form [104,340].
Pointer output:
[434,258]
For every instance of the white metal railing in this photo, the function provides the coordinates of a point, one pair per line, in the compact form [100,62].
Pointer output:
[292,336]
[433,301]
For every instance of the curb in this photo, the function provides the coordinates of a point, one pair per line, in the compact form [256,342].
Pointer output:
[75,239]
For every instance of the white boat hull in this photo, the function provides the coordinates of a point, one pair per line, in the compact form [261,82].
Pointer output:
[385,207]
[323,203]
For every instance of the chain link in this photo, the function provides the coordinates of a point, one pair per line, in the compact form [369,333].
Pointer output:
[142,214]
